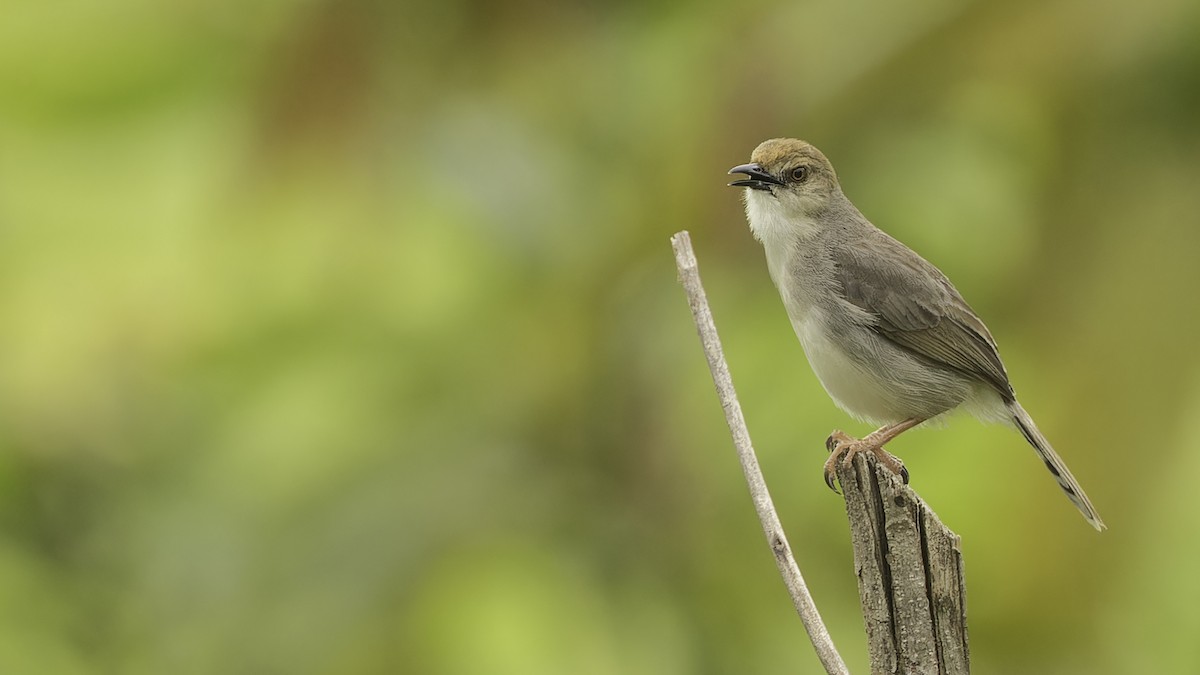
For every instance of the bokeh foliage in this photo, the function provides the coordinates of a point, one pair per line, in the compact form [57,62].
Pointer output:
[343,337]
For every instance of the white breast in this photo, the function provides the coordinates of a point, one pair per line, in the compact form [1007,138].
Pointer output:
[852,387]
[780,238]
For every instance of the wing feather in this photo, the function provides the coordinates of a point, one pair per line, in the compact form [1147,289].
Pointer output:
[917,308]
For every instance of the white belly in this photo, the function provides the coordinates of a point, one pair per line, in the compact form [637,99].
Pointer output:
[893,387]
[852,387]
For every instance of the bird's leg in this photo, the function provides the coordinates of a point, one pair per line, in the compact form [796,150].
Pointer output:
[844,447]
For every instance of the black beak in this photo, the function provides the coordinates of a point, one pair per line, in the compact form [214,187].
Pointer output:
[758,179]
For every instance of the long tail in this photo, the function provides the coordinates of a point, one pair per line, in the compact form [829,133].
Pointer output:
[1055,464]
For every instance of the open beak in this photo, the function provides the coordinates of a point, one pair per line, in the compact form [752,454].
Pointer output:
[758,179]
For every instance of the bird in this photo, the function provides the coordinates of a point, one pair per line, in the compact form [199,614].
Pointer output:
[891,340]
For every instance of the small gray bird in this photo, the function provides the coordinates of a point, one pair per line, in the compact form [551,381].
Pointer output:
[888,335]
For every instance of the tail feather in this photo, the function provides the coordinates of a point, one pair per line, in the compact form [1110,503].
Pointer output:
[1055,464]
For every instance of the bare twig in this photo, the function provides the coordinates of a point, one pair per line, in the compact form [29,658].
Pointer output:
[689,276]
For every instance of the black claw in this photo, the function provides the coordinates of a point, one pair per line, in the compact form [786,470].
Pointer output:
[830,443]
[830,483]
[904,474]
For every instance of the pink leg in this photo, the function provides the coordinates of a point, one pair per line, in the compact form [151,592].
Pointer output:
[843,448]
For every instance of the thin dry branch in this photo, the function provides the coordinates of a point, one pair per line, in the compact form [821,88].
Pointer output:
[689,276]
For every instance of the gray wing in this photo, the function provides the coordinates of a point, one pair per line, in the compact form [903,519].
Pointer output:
[917,308]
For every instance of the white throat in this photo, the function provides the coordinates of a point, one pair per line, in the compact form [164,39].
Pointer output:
[770,222]
[782,238]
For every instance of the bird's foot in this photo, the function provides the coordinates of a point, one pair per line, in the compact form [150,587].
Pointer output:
[843,447]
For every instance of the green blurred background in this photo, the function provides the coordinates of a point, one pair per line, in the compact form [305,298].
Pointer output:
[344,337]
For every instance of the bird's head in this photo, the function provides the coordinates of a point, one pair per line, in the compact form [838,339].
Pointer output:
[787,181]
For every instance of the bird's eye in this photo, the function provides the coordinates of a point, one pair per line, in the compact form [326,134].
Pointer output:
[799,174]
